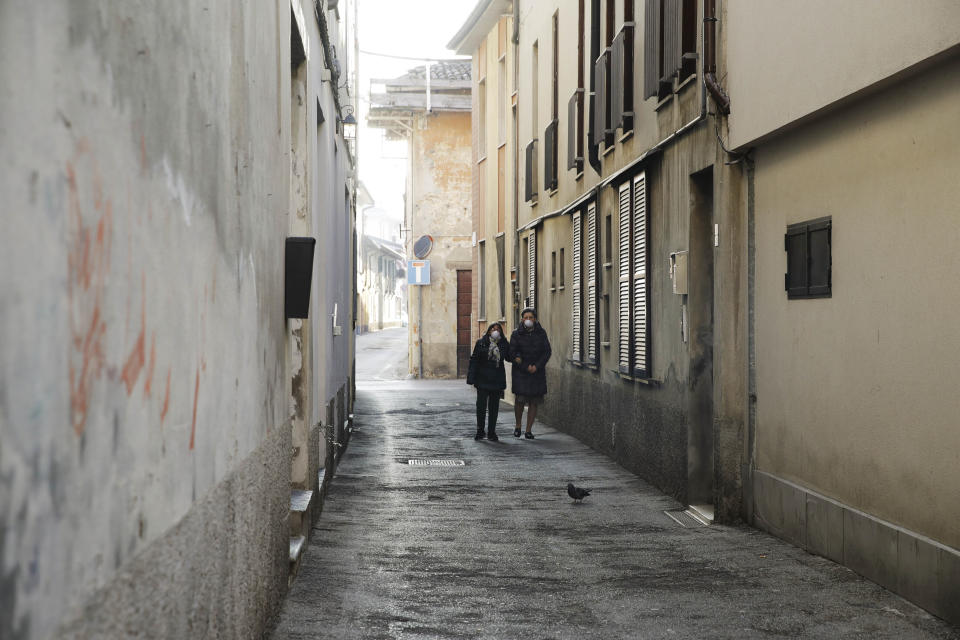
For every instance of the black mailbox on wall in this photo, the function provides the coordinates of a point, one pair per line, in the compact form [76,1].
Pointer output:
[298,276]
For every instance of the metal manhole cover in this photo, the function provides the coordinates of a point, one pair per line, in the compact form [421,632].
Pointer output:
[422,462]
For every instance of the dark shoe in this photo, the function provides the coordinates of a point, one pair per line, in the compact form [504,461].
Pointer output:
[480,435]
[516,433]
[528,435]
[493,436]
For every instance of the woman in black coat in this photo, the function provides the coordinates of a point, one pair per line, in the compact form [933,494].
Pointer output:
[530,351]
[487,374]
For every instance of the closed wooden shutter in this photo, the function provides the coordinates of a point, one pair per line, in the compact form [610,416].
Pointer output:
[532,270]
[576,331]
[651,49]
[672,38]
[591,347]
[641,365]
[623,291]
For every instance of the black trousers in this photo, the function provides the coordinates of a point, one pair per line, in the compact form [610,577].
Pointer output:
[488,403]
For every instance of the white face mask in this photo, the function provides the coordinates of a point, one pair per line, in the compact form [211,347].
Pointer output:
[495,335]
[528,323]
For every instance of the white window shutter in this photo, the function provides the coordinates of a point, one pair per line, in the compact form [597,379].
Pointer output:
[532,271]
[641,365]
[592,283]
[623,292]
[576,330]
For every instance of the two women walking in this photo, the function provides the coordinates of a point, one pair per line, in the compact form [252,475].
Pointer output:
[528,350]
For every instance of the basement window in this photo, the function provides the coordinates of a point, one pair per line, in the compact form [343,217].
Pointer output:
[809,259]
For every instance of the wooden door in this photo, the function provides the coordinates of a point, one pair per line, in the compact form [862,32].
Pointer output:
[464,299]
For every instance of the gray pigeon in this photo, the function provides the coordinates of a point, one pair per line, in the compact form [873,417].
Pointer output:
[576,493]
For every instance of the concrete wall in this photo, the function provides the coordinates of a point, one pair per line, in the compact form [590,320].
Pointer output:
[825,51]
[144,382]
[438,200]
[855,391]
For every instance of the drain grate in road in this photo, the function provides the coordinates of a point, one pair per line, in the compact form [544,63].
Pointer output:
[424,462]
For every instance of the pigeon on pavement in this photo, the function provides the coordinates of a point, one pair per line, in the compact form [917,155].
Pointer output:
[577,493]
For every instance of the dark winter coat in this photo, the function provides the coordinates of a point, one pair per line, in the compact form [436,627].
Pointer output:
[485,374]
[532,347]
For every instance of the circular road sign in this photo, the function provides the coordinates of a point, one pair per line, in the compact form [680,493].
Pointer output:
[422,247]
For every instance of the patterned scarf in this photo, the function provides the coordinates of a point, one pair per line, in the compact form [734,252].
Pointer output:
[493,351]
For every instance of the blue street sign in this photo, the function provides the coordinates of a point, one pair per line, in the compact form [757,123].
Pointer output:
[418,272]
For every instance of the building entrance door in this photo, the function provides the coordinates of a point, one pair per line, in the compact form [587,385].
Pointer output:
[700,447]
[464,300]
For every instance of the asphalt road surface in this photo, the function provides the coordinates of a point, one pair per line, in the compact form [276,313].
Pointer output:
[494,548]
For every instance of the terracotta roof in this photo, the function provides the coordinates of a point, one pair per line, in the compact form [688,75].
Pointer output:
[442,70]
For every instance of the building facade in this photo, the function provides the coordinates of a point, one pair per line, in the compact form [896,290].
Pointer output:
[429,107]
[855,439]
[643,178]
[155,161]
[600,184]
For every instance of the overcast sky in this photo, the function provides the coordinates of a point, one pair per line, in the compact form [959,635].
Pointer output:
[411,28]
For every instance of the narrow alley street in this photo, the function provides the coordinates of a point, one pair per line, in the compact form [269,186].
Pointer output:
[494,548]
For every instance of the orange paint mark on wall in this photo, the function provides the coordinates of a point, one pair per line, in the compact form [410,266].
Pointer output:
[196,396]
[166,399]
[153,363]
[137,357]
[88,260]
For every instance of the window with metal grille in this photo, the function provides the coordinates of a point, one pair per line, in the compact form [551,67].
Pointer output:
[633,293]
[669,44]
[809,259]
[576,330]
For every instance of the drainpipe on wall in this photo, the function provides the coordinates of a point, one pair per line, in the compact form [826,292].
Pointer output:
[719,96]
[514,282]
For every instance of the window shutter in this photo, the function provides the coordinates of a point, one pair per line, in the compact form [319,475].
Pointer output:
[641,364]
[592,283]
[577,328]
[600,100]
[572,132]
[819,252]
[530,188]
[623,307]
[672,38]
[532,271]
[651,49]
[795,243]
[616,81]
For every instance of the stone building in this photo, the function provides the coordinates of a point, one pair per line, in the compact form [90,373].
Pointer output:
[157,407]
[429,107]
[646,172]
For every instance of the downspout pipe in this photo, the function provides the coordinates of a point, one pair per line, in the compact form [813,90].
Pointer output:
[594,150]
[515,281]
[720,97]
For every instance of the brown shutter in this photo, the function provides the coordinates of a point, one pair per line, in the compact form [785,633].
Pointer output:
[672,38]
[623,301]
[616,81]
[591,347]
[641,364]
[532,270]
[576,331]
[651,48]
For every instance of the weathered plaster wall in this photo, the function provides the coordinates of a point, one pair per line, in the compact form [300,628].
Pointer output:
[857,393]
[145,184]
[439,194]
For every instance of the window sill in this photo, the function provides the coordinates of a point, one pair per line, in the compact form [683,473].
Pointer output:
[501,145]
[607,150]
[501,234]
[481,159]
[584,365]
[608,265]
[626,136]
[561,288]
[579,176]
[692,79]
[552,192]
[662,103]
[650,382]
[553,289]
[605,345]
[481,319]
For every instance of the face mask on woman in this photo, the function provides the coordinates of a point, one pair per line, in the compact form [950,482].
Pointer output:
[528,323]
[494,335]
